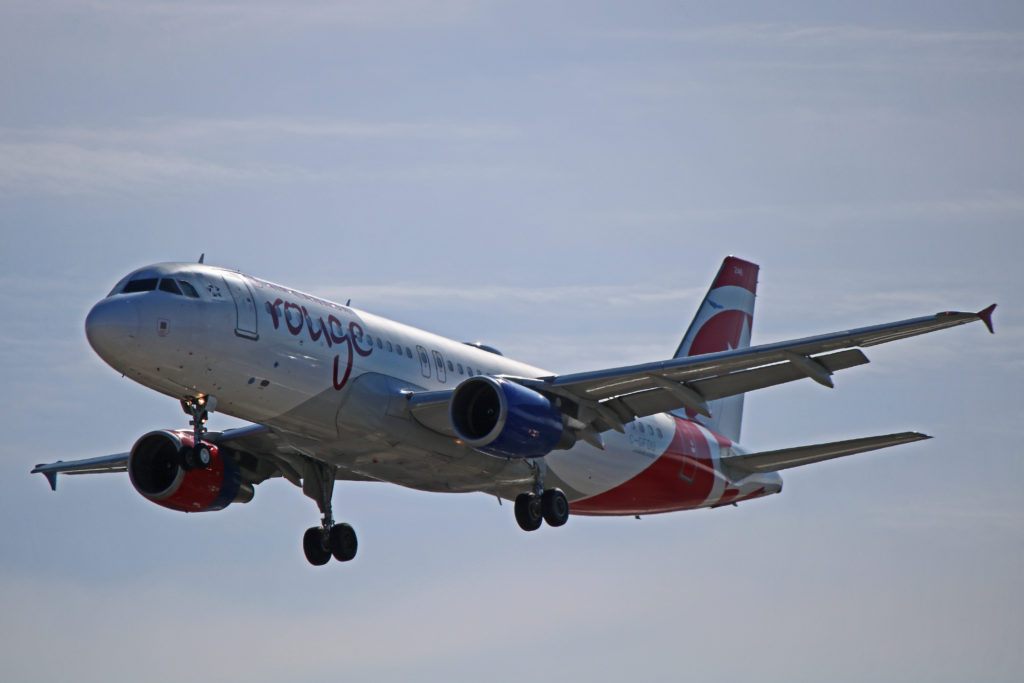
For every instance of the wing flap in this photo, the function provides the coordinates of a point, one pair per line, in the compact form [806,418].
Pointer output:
[653,401]
[640,390]
[602,384]
[772,461]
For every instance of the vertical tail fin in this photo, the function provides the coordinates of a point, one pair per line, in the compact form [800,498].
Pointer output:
[723,322]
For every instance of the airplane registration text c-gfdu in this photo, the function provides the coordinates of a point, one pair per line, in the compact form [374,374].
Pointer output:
[335,393]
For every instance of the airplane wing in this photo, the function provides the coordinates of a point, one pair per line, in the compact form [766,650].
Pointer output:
[104,463]
[610,398]
[269,457]
[772,461]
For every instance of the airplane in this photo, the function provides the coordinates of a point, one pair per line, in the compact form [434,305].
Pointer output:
[339,394]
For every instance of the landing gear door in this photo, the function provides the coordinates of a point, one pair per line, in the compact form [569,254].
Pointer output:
[245,306]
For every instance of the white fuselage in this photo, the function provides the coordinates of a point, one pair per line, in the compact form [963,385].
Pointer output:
[330,379]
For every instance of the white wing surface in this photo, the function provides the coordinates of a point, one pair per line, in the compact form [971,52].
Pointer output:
[618,395]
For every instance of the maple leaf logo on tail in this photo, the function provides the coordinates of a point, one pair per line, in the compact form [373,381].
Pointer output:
[723,323]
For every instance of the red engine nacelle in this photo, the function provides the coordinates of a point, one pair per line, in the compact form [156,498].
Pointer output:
[156,473]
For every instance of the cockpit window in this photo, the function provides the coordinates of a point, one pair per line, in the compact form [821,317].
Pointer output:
[170,286]
[188,289]
[146,284]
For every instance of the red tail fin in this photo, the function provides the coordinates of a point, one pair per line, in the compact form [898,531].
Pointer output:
[723,322]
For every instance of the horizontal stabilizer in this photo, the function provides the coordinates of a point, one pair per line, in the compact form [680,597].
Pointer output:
[771,461]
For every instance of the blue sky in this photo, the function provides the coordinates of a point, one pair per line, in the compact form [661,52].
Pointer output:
[560,180]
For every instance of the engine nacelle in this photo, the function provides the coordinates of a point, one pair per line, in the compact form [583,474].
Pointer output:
[154,468]
[499,417]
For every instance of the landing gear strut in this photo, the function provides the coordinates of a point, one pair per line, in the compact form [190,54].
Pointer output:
[543,505]
[320,543]
[198,455]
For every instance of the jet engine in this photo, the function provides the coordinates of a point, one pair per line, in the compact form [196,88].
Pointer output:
[154,466]
[499,417]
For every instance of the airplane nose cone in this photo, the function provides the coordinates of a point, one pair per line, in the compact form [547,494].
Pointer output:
[112,327]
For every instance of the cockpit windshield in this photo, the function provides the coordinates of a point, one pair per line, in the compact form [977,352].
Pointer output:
[145,284]
[170,286]
[188,290]
[167,284]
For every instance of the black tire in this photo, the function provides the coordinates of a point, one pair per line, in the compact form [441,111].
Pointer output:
[313,545]
[186,459]
[343,542]
[528,512]
[555,506]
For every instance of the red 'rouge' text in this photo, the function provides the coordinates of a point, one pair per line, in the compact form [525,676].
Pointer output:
[333,331]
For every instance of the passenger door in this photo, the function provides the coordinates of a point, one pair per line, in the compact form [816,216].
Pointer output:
[439,362]
[245,306]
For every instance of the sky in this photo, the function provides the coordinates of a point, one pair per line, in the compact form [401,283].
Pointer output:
[560,180]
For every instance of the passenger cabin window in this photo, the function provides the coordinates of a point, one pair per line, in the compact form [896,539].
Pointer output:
[390,348]
[170,286]
[147,284]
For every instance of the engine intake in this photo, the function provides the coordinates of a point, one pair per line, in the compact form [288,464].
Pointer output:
[499,417]
[155,471]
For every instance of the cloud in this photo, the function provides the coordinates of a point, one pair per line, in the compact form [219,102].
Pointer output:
[846,46]
[992,205]
[68,169]
[573,296]
[174,153]
[828,36]
[951,516]
[177,131]
[219,16]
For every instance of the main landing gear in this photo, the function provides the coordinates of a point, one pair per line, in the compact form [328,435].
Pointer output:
[542,505]
[198,455]
[329,539]
[549,506]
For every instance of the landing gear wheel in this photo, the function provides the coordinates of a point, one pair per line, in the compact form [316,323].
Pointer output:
[194,457]
[343,543]
[313,544]
[186,459]
[555,507]
[529,512]
[202,456]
